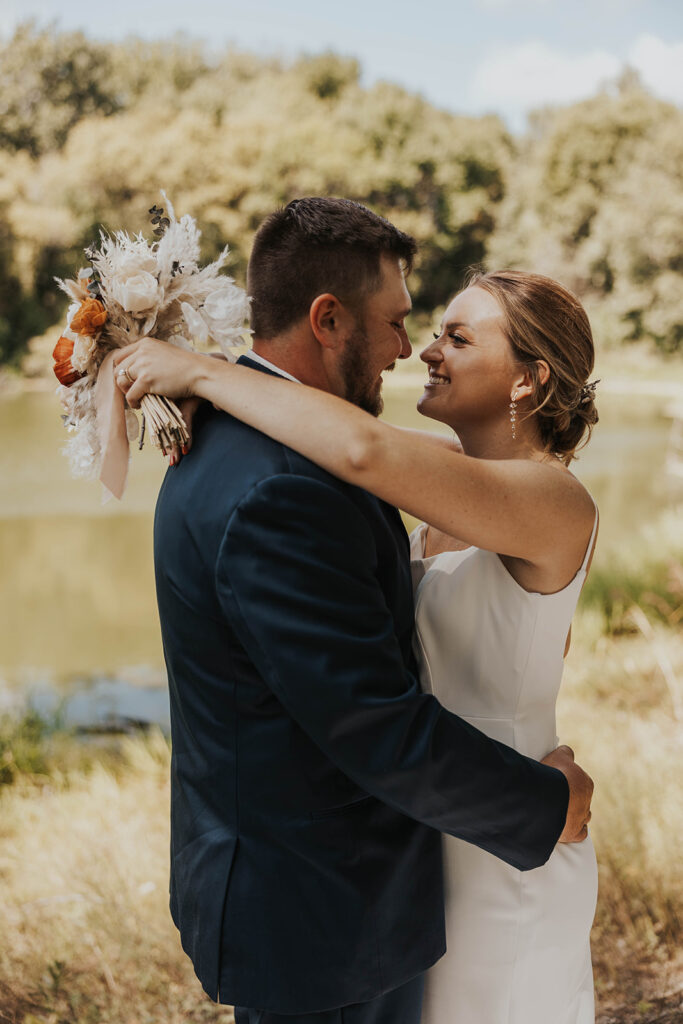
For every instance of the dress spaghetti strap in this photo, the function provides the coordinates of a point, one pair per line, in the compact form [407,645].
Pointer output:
[591,542]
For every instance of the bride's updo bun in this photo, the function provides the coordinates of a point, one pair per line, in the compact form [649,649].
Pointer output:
[545,321]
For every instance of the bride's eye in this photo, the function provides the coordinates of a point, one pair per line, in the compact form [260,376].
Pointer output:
[458,339]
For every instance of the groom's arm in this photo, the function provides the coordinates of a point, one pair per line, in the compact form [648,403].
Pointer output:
[295,575]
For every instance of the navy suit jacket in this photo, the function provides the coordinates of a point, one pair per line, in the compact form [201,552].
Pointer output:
[310,775]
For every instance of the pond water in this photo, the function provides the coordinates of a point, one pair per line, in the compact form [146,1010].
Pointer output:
[77,607]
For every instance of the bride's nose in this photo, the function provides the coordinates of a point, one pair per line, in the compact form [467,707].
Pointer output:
[432,354]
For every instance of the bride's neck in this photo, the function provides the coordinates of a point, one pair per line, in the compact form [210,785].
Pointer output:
[496,442]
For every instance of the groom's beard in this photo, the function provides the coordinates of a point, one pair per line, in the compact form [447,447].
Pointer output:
[361,389]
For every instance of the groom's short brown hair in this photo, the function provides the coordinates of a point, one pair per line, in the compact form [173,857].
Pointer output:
[316,245]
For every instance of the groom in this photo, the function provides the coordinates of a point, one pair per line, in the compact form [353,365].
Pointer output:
[310,776]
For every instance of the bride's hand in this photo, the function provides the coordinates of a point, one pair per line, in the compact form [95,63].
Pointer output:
[150,367]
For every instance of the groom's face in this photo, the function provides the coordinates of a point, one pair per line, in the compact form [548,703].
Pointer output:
[378,339]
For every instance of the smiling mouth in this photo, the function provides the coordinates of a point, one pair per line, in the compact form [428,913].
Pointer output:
[436,379]
[387,369]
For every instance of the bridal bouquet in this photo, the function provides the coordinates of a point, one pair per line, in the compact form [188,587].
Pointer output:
[133,288]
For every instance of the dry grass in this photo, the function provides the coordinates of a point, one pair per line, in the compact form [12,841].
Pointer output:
[84,864]
[618,712]
[87,936]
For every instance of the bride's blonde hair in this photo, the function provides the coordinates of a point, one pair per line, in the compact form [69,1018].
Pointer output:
[543,320]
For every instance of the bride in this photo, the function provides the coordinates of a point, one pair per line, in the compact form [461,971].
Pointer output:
[498,564]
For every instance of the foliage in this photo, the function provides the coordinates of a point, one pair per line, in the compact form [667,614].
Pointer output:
[37,750]
[89,134]
[596,200]
[22,747]
[649,576]
[229,140]
[49,81]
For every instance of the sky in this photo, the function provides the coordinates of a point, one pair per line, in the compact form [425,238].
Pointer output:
[500,56]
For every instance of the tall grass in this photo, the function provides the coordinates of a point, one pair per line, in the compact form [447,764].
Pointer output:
[617,713]
[647,573]
[621,708]
[86,932]
[22,747]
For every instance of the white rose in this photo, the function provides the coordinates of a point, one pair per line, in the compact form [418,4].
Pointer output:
[137,293]
[133,263]
[83,350]
[226,307]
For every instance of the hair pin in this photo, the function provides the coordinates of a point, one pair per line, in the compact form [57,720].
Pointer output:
[588,391]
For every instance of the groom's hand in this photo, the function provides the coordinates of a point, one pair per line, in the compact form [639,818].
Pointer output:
[580,794]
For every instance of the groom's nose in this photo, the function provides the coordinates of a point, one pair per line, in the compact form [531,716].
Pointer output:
[406,347]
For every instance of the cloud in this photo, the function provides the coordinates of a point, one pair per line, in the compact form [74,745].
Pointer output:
[660,66]
[512,80]
[517,78]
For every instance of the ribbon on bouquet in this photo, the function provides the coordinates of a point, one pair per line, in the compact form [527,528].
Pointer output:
[111,427]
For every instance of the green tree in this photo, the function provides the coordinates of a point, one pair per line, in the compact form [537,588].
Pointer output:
[230,140]
[596,200]
[48,82]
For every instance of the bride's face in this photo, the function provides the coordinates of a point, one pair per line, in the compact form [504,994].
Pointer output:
[471,365]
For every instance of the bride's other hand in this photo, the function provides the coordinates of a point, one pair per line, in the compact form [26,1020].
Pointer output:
[580,794]
[151,367]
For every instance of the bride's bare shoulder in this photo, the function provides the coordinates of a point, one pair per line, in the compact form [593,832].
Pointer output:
[573,517]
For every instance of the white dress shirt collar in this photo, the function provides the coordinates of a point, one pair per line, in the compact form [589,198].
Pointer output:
[271,366]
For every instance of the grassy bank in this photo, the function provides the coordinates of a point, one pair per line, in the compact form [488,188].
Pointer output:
[621,708]
[618,714]
[87,935]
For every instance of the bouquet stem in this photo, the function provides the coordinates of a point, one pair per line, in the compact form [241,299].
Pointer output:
[167,427]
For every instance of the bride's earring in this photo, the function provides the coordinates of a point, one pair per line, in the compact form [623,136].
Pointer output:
[513,416]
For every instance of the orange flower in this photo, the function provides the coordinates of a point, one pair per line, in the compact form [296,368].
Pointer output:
[90,318]
[64,371]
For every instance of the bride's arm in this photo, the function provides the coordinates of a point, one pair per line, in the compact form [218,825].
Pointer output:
[429,437]
[511,507]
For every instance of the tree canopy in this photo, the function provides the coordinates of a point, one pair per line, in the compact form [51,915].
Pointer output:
[89,134]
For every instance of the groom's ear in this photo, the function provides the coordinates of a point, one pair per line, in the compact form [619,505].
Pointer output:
[331,322]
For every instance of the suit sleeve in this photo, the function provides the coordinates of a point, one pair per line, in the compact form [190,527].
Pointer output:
[296,577]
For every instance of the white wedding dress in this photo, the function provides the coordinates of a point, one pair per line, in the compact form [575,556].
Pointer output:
[518,942]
